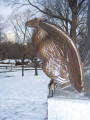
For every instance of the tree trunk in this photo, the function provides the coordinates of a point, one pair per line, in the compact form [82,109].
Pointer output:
[86,52]
[35,62]
[74,25]
[22,67]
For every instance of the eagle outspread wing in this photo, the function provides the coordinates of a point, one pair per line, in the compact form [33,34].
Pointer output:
[62,58]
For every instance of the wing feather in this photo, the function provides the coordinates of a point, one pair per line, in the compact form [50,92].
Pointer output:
[73,60]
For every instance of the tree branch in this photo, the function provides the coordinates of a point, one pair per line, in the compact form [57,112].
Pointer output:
[71,4]
[15,29]
[80,4]
[50,14]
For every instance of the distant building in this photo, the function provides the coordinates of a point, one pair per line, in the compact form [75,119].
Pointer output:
[10,37]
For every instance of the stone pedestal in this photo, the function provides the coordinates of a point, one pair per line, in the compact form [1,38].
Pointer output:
[68,109]
[68,104]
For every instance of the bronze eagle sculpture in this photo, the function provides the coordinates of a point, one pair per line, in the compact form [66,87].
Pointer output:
[60,58]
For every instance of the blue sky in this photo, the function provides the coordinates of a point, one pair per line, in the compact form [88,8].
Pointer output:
[5,11]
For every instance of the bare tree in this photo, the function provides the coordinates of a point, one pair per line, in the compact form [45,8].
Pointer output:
[31,54]
[17,21]
[7,50]
[22,33]
[86,53]
[69,14]
[67,11]
[1,27]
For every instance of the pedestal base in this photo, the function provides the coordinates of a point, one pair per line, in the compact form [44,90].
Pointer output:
[68,109]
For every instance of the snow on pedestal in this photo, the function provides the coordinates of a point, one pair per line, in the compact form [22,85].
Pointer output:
[68,109]
[68,104]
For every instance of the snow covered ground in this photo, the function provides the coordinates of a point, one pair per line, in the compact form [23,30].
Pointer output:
[23,98]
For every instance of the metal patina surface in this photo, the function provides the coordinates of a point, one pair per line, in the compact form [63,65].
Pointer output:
[59,55]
